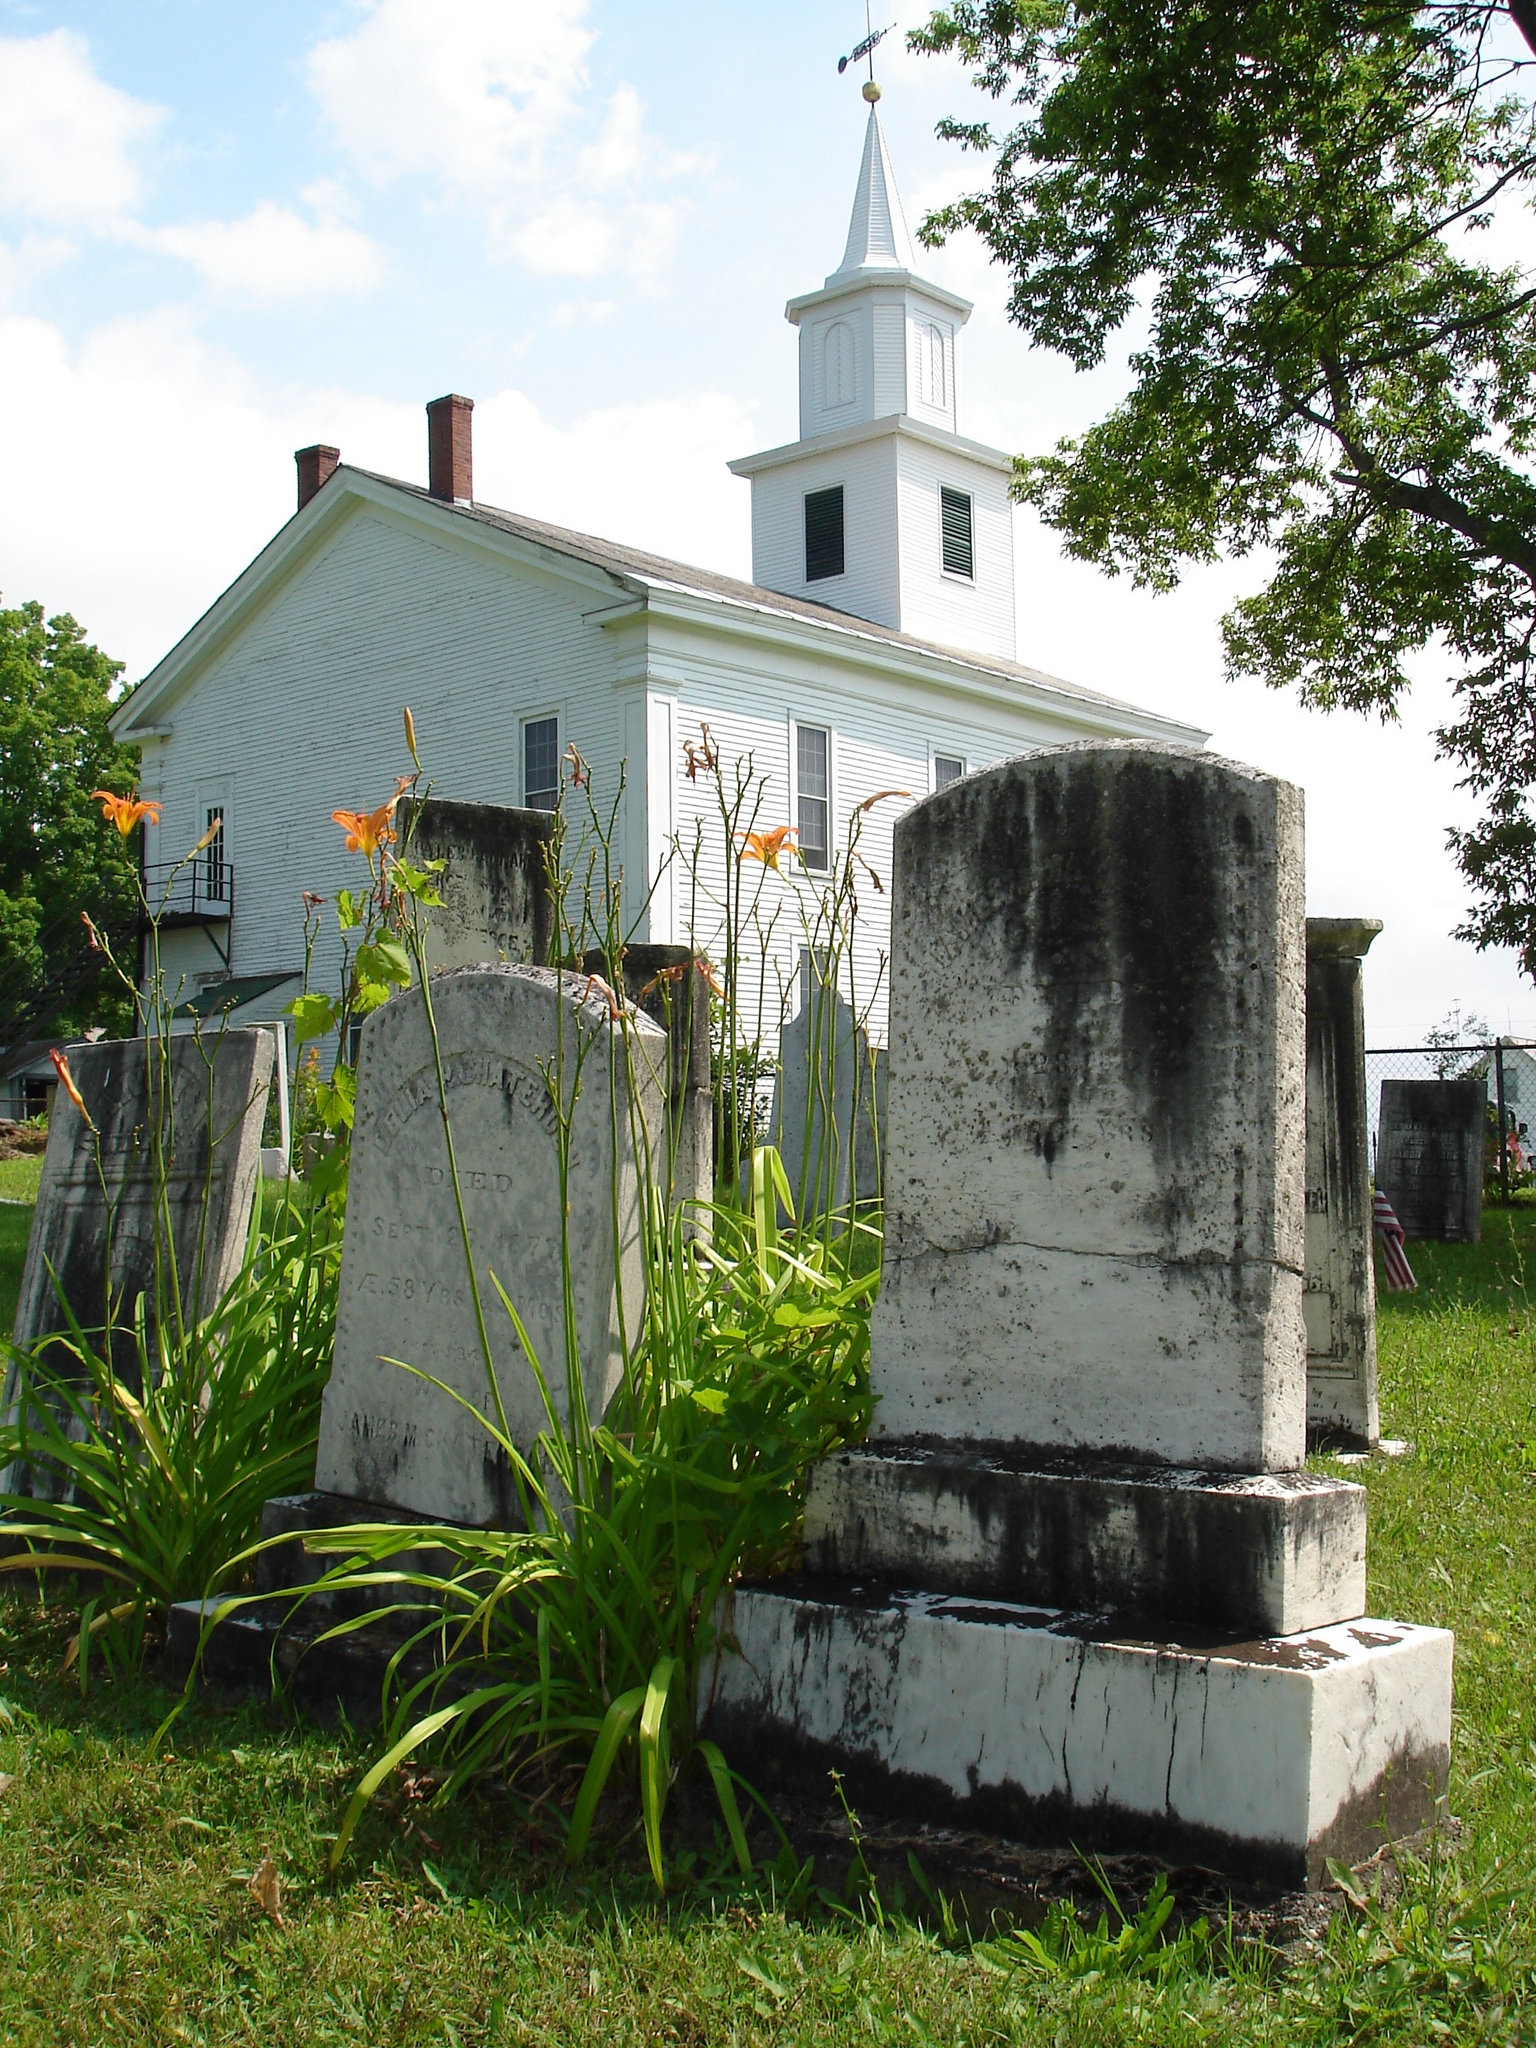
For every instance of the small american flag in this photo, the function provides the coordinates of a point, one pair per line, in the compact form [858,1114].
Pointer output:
[1394,1260]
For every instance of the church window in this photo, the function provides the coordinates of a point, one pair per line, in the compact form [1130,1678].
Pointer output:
[823,533]
[934,380]
[215,867]
[541,764]
[813,793]
[947,768]
[955,522]
[837,366]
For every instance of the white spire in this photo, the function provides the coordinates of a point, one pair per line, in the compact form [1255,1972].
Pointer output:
[877,233]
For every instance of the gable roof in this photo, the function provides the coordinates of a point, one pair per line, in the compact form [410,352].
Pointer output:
[632,570]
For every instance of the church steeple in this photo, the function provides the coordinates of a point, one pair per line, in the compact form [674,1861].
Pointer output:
[881,508]
[877,232]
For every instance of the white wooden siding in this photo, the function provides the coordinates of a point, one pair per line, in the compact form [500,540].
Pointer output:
[301,712]
[934,606]
[869,586]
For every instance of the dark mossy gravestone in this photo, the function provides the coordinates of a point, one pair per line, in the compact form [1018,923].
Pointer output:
[1429,1156]
[497,903]
[157,1197]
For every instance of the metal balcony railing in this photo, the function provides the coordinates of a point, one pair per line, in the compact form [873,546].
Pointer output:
[199,892]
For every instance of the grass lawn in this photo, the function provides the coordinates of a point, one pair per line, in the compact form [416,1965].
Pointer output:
[126,1914]
[19,1178]
[15,1223]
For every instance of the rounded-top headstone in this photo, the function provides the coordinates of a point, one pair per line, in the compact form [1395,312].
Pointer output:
[1095,1146]
[524,1050]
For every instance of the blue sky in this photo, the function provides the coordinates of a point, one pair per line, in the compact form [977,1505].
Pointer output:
[227,231]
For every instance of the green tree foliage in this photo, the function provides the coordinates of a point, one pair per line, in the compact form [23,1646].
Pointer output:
[57,857]
[1288,196]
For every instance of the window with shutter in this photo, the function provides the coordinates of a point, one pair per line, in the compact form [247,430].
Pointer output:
[823,534]
[215,879]
[955,522]
[541,764]
[813,789]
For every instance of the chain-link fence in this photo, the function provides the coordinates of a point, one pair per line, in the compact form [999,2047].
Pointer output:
[1507,1068]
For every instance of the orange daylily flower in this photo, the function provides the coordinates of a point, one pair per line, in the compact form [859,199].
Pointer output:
[67,1083]
[125,811]
[768,846]
[880,796]
[410,738]
[367,831]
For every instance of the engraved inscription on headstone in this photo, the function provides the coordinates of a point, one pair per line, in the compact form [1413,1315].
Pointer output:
[1094,1164]
[187,1122]
[1429,1156]
[1340,1298]
[497,904]
[506,1035]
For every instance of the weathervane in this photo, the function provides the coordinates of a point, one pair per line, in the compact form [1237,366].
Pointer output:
[873,36]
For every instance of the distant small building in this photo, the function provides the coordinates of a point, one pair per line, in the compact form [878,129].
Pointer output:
[875,650]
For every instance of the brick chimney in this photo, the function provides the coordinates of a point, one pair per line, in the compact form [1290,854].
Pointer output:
[450,462]
[314,466]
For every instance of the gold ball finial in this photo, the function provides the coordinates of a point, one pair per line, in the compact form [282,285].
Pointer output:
[871,91]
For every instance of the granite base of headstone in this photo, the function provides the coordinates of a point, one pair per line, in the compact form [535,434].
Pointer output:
[828,1114]
[1430,1139]
[172,1162]
[524,1051]
[1339,1301]
[497,902]
[1077,1587]
[664,982]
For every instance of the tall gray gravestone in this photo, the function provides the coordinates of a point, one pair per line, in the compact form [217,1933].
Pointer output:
[178,1133]
[1429,1156]
[497,903]
[828,1116]
[1340,1298]
[664,982]
[1077,1586]
[506,1035]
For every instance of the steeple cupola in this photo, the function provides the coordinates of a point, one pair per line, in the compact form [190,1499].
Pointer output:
[881,508]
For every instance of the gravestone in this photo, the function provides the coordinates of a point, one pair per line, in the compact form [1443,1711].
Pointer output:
[1339,1302]
[497,904]
[1076,1587]
[386,1436]
[828,1114]
[666,984]
[1094,1165]
[187,1121]
[190,1122]
[1429,1156]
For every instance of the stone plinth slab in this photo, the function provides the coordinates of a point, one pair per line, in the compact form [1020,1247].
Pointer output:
[1269,1553]
[1260,1758]
[1339,1302]
[1095,1143]
[506,1034]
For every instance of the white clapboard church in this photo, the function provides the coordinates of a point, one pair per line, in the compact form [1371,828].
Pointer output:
[874,648]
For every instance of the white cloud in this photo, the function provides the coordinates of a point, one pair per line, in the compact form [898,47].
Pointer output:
[488,100]
[144,469]
[67,139]
[465,91]
[274,253]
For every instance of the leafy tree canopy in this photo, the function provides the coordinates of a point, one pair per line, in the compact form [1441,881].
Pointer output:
[1291,194]
[57,857]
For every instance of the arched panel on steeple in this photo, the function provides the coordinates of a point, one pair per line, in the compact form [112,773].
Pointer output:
[839,367]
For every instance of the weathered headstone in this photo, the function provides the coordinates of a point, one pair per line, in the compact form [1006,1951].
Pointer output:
[828,1116]
[506,1034]
[1094,1163]
[1340,1298]
[186,1122]
[665,982]
[1429,1156]
[173,1159]
[1076,1585]
[497,904]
